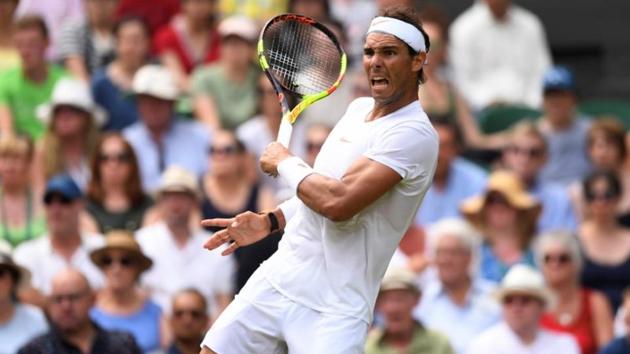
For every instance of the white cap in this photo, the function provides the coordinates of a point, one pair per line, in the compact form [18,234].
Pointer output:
[74,93]
[523,279]
[157,81]
[240,26]
[178,179]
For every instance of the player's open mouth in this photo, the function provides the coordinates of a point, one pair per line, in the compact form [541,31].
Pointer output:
[377,81]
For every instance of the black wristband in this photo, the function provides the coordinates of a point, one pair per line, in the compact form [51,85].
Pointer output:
[275,225]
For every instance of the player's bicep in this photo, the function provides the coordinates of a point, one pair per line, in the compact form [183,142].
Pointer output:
[366,181]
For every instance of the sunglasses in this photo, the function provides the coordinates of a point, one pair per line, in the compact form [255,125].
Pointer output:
[126,262]
[519,300]
[563,258]
[531,153]
[497,199]
[225,150]
[195,314]
[57,198]
[606,196]
[121,157]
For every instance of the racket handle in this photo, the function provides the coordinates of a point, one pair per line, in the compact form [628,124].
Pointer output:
[284,133]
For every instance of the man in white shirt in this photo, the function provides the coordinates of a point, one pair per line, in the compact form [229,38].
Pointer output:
[499,54]
[316,294]
[64,246]
[524,297]
[179,260]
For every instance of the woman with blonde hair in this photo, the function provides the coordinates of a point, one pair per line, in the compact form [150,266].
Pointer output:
[21,211]
[506,215]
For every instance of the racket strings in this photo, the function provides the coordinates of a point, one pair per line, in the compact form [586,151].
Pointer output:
[302,57]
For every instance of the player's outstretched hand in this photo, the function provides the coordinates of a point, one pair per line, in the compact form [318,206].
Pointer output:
[271,157]
[242,230]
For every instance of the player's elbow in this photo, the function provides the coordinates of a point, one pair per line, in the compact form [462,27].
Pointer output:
[337,212]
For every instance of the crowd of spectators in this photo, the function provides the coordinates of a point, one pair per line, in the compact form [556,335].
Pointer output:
[123,123]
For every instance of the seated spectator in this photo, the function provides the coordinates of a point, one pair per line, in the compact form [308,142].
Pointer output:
[457,296]
[19,323]
[581,312]
[526,155]
[72,330]
[156,13]
[190,39]
[605,243]
[318,10]
[227,191]
[606,151]
[523,297]
[188,322]
[179,259]
[22,214]
[316,135]
[111,85]
[455,179]
[260,11]
[121,305]
[87,44]
[506,215]
[621,345]
[160,138]
[115,200]
[499,54]
[225,92]
[23,88]
[73,120]
[9,56]
[64,245]
[397,297]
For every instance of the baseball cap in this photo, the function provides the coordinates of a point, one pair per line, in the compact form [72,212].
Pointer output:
[63,185]
[558,78]
[399,278]
[178,179]
[157,81]
[239,26]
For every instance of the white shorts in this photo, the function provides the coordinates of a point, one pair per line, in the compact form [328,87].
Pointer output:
[261,320]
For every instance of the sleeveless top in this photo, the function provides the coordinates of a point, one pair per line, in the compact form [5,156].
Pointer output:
[609,279]
[581,328]
[129,220]
[249,257]
[34,227]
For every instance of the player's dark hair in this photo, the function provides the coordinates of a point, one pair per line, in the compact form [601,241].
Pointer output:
[409,15]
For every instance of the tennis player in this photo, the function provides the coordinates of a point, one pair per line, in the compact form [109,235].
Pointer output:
[316,294]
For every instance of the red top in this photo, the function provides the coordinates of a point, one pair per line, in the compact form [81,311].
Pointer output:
[157,13]
[580,328]
[174,38]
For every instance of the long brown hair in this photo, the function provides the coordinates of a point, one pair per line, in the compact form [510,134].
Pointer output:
[133,187]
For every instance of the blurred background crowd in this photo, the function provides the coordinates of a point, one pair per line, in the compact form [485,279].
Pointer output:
[123,123]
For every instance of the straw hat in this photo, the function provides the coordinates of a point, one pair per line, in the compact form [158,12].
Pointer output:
[524,280]
[399,278]
[74,93]
[509,185]
[21,274]
[121,240]
[178,179]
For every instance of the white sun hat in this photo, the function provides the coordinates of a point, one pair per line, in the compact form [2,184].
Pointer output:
[157,81]
[524,280]
[75,93]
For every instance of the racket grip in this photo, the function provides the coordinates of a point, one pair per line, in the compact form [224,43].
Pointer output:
[284,133]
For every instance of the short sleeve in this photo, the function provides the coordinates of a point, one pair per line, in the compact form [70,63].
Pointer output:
[199,82]
[164,40]
[409,148]
[72,39]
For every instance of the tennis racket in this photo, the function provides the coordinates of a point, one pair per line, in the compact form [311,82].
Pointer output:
[302,58]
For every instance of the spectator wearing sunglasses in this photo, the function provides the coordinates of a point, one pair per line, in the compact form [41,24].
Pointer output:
[228,190]
[65,245]
[121,304]
[523,297]
[605,242]
[115,200]
[579,311]
[506,216]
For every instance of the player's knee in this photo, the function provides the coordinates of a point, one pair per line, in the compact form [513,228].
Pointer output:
[206,350]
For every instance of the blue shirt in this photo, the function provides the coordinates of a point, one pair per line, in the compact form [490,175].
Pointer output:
[465,179]
[493,269]
[557,212]
[459,323]
[144,325]
[185,144]
[568,161]
[27,323]
[618,346]
[121,107]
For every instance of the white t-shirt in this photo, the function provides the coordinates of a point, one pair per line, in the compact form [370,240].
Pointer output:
[44,263]
[500,339]
[176,268]
[336,267]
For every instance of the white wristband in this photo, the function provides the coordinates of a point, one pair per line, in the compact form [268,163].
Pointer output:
[294,170]
[289,207]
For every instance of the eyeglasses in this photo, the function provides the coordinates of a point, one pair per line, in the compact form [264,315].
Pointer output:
[120,157]
[57,198]
[563,258]
[531,152]
[225,150]
[126,262]
[195,314]
[605,196]
[312,146]
[519,300]
[71,297]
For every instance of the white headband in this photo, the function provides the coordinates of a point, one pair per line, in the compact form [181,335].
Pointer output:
[401,30]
